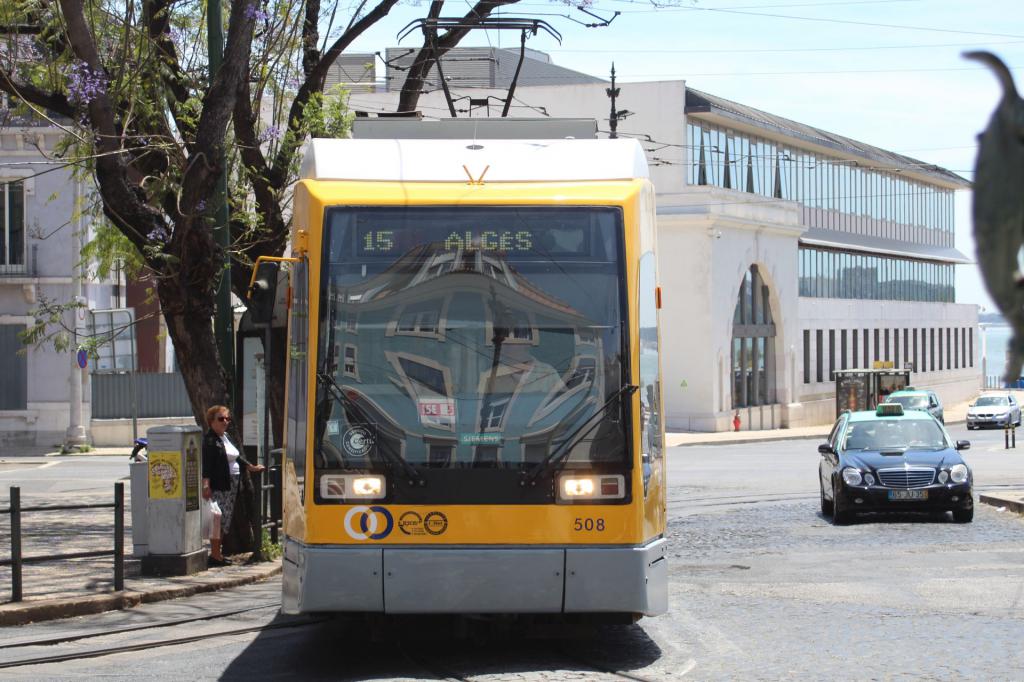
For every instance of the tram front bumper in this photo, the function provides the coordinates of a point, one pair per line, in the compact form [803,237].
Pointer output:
[469,580]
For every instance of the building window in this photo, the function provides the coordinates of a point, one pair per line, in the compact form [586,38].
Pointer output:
[12,226]
[970,345]
[349,368]
[896,347]
[931,350]
[831,354]
[867,351]
[878,354]
[842,349]
[856,360]
[886,352]
[13,368]
[819,355]
[753,344]
[807,356]
[949,353]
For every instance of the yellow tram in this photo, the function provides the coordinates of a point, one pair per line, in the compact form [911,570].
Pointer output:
[473,392]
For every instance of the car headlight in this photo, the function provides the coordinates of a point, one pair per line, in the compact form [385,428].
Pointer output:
[869,479]
[852,476]
[958,474]
[943,476]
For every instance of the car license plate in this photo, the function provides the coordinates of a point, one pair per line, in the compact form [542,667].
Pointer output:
[908,494]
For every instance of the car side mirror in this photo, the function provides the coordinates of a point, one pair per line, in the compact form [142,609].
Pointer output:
[825,449]
[963,445]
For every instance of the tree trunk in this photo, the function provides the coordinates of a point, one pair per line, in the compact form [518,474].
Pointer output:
[189,316]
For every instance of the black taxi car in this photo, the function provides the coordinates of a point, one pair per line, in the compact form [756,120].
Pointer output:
[891,460]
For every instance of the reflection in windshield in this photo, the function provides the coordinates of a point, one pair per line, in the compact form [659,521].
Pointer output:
[894,435]
[472,337]
[914,402]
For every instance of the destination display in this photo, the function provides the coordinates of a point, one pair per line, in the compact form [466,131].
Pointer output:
[513,232]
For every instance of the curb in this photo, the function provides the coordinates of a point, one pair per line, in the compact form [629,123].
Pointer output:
[774,437]
[1011,504]
[52,609]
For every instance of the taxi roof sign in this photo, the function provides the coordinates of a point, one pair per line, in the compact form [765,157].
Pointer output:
[889,410]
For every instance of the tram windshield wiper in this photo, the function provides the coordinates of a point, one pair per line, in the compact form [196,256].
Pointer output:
[383,447]
[576,437]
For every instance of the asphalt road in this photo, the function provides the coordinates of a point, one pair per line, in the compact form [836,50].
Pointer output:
[762,587]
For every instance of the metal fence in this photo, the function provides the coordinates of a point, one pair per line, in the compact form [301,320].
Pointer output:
[17,560]
[156,395]
[996,381]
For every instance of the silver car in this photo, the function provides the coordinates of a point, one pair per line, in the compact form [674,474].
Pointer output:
[993,410]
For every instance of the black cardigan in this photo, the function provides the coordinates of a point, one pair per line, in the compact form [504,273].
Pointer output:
[215,461]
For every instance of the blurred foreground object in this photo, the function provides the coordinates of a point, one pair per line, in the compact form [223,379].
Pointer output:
[998,210]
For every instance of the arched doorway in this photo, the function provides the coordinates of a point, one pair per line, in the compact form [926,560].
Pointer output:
[753,344]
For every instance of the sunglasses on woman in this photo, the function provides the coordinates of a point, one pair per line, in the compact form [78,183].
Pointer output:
[223,419]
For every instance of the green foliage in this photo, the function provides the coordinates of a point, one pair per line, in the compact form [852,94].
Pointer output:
[327,114]
[107,249]
[49,325]
[270,550]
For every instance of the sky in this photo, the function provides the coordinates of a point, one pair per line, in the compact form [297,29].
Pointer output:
[886,72]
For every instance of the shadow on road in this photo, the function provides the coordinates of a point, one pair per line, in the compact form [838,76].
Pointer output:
[431,647]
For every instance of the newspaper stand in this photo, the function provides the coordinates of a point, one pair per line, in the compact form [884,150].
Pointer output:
[863,389]
[175,544]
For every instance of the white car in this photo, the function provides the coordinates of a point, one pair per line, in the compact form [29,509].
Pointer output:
[993,410]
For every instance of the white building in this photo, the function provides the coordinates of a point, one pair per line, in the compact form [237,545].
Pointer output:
[785,252]
[44,395]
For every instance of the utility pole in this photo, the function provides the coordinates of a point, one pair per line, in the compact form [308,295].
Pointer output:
[224,325]
[613,117]
[76,433]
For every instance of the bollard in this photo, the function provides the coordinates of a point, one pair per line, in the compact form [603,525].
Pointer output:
[1013,436]
[118,536]
[1006,437]
[15,544]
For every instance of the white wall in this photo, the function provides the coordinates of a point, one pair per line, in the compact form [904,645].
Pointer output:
[707,240]
[952,385]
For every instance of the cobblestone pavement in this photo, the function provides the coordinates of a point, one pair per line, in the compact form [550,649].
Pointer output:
[774,591]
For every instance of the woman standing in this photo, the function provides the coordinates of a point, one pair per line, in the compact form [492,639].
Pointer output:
[221,471]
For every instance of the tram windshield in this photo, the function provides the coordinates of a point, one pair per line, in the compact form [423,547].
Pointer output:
[471,337]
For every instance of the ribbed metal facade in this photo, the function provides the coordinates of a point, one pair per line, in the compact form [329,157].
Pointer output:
[483,67]
[356,71]
[157,395]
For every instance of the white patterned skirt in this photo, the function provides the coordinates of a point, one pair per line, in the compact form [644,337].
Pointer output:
[225,499]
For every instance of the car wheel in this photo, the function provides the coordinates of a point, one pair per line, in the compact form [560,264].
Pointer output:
[840,516]
[963,515]
[826,505]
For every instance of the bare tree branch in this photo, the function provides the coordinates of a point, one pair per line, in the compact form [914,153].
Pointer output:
[315,83]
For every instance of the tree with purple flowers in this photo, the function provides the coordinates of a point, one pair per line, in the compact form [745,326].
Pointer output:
[128,83]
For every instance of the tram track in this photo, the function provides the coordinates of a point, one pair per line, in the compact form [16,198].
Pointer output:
[99,652]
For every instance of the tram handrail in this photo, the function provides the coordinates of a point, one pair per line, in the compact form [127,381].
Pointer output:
[17,560]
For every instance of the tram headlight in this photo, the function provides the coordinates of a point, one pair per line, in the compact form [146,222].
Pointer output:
[577,487]
[572,487]
[370,487]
